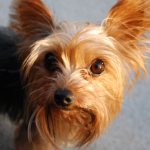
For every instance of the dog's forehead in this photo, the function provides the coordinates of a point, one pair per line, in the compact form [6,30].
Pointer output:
[77,43]
[80,42]
[73,36]
[79,28]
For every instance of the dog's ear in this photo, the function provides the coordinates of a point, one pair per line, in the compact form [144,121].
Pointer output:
[31,19]
[128,22]
[128,19]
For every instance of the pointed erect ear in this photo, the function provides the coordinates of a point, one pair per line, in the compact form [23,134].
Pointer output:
[128,19]
[128,23]
[31,18]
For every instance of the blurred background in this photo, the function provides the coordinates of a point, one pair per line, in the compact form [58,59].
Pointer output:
[131,130]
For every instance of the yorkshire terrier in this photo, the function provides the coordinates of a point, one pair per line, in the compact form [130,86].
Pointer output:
[75,74]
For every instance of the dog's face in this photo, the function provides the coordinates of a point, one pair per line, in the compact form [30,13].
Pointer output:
[75,82]
[75,74]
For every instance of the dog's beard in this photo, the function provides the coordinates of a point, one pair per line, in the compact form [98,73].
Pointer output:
[75,127]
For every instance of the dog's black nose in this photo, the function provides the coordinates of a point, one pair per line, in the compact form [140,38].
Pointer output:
[63,97]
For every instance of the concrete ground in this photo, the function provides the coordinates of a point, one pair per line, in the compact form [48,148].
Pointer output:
[131,130]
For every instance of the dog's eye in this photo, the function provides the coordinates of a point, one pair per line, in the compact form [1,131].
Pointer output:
[97,67]
[51,62]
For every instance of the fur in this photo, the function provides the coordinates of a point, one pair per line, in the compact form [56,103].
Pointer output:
[120,42]
[12,103]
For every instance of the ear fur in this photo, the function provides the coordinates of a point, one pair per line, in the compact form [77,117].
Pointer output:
[31,19]
[128,23]
[129,19]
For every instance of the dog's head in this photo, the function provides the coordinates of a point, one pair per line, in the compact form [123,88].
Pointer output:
[75,73]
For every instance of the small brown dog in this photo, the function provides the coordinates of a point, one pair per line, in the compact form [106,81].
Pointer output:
[75,74]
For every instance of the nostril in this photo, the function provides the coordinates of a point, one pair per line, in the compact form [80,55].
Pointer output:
[63,97]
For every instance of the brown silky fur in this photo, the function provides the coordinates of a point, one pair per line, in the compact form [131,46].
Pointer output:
[121,42]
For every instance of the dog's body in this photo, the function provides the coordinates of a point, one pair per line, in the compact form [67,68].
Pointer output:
[10,83]
[74,74]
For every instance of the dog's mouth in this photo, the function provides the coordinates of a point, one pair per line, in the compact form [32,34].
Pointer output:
[67,125]
[74,124]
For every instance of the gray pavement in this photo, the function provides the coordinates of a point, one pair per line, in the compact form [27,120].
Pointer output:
[131,130]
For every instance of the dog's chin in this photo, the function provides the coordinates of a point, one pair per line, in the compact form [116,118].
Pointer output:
[74,126]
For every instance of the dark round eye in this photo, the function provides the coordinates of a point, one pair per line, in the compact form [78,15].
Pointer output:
[51,62]
[97,67]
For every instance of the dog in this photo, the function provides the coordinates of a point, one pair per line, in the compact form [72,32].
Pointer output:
[74,75]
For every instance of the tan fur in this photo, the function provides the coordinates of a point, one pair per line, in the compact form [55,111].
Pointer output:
[120,42]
